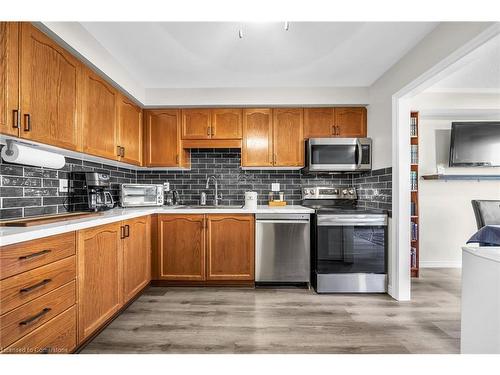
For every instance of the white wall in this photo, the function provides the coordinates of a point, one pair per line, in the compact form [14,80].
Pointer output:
[446,217]
[273,96]
[437,45]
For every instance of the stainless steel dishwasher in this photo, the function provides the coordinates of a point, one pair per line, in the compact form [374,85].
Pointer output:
[282,248]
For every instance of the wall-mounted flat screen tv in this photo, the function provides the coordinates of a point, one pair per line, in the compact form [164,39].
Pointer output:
[475,144]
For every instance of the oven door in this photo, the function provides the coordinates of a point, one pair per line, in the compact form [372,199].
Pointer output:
[351,244]
[338,154]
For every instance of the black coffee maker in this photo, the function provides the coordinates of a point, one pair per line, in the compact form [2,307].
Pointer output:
[90,191]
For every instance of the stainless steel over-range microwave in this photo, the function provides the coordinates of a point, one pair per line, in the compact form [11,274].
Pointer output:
[338,154]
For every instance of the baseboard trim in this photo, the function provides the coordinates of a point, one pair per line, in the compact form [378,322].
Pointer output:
[440,264]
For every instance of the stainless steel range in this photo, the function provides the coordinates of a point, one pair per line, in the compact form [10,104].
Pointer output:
[348,243]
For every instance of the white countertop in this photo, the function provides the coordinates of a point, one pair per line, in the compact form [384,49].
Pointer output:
[487,252]
[11,235]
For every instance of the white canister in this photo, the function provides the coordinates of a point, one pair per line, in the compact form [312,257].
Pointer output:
[250,200]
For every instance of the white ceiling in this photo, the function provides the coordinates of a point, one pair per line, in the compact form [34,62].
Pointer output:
[211,55]
[479,71]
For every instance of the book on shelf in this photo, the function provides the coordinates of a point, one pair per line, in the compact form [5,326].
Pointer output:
[413,180]
[413,209]
[413,257]
[414,154]
[413,126]
[414,231]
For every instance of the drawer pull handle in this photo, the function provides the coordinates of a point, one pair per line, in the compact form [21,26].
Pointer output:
[127,230]
[30,288]
[34,255]
[35,317]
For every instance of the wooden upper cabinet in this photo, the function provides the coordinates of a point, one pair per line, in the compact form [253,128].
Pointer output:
[288,137]
[226,123]
[181,247]
[257,146]
[100,276]
[49,91]
[136,256]
[196,123]
[162,139]
[230,247]
[350,121]
[99,116]
[319,122]
[9,78]
[130,131]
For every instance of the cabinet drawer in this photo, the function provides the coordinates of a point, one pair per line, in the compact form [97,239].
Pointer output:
[56,336]
[25,256]
[27,286]
[26,318]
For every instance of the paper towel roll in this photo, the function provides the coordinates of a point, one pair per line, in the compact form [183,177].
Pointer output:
[20,154]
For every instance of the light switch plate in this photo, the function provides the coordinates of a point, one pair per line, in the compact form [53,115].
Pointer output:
[275,186]
[166,186]
[63,186]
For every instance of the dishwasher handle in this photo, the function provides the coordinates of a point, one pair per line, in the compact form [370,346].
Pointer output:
[282,217]
[271,221]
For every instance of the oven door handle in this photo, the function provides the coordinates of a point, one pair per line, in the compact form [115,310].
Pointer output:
[358,221]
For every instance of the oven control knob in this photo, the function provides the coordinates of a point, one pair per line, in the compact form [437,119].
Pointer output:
[311,191]
[351,191]
[344,192]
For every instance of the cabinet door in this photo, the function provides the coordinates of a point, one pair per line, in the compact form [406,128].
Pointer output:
[351,121]
[230,247]
[130,134]
[100,277]
[288,138]
[136,256]
[9,78]
[195,123]
[181,247]
[163,139]
[99,116]
[226,123]
[257,145]
[49,91]
[319,122]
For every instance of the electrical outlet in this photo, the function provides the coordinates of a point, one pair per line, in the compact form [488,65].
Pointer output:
[63,186]
[166,186]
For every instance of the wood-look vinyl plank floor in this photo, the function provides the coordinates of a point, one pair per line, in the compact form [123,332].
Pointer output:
[235,320]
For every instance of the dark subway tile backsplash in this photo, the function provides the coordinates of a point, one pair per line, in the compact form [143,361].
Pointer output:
[29,191]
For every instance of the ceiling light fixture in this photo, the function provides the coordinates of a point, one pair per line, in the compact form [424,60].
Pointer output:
[287,25]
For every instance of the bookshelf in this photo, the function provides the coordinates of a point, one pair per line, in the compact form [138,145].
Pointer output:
[414,219]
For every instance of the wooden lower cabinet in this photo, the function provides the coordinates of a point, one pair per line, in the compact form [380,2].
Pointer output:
[181,244]
[114,264]
[198,248]
[230,247]
[57,336]
[100,276]
[136,256]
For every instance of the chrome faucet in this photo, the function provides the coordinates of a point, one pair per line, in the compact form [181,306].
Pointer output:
[217,196]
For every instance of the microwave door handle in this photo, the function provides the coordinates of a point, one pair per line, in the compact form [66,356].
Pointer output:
[360,153]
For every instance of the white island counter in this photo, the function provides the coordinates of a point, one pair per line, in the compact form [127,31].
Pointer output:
[480,333]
